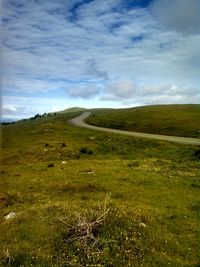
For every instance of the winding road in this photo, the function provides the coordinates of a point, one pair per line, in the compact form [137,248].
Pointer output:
[79,122]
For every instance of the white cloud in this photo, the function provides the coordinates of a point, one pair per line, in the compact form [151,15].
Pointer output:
[8,108]
[127,92]
[83,91]
[120,90]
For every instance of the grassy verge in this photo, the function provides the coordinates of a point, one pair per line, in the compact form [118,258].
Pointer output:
[178,120]
[85,198]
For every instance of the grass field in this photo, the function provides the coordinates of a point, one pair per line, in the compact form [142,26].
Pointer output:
[178,120]
[86,198]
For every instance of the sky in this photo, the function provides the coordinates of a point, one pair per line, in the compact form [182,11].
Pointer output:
[98,53]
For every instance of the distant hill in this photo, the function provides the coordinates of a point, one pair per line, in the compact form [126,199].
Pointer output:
[177,120]
[70,110]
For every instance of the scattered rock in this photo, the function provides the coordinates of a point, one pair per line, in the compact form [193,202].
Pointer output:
[142,225]
[92,138]
[63,162]
[91,173]
[10,215]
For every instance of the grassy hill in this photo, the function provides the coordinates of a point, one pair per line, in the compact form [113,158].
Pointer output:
[179,120]
[86,198]
[72,110]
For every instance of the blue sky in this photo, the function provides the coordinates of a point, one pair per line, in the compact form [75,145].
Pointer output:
[98,53]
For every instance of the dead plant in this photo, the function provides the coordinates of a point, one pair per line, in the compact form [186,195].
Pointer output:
[86,226]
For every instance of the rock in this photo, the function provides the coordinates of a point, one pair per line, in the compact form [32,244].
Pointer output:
[142,225]
[91,173]
[10,215]
[63,162]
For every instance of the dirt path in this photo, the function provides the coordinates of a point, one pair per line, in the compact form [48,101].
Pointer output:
[79,121]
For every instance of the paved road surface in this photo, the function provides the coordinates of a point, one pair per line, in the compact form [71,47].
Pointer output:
[79,121]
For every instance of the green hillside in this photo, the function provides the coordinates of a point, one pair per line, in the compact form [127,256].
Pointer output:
[179,120]
[85,198]
[74,109]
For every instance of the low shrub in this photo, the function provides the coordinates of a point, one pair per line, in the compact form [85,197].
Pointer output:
[85,150]
[50,165]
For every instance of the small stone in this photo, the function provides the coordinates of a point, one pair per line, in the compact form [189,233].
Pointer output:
[142,225]
[10,215]
[63,162]
[91,173]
